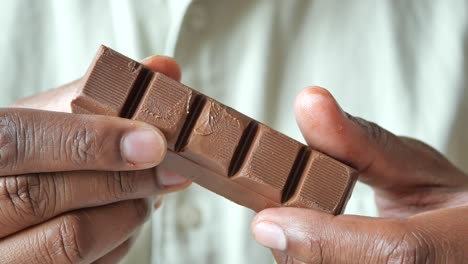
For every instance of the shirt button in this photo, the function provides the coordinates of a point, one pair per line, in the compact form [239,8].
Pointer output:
[197,16]
[188,216]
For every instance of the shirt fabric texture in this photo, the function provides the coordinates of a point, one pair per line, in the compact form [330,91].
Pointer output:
[401,64]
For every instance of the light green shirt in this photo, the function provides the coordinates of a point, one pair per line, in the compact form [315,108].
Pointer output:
[402,64]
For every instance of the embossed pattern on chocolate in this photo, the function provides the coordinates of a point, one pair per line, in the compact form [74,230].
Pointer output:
[216,146]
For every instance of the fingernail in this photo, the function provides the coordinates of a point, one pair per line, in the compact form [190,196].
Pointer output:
[169,178]
[143,146]
[270,235]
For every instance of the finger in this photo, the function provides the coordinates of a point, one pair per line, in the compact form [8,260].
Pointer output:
[315,237]
[166,65]
[116,254]
[439,236]
[170,180]
[39,141]
[282,258]
[79,237]
[121,251]
[32,199]
[384,160]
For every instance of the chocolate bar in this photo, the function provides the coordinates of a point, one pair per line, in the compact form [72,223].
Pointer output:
[214,145]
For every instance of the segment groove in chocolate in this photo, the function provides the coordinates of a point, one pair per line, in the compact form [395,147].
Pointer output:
[214,145]
[165,105]
[193,114]
[242,148]
[296,172]
[215,137]
[279,153]
[268,163]
[136,92]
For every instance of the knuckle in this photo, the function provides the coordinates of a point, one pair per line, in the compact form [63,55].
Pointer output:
[27,196]
[413,247]
[82,146]
[41,253]
[22,140]
[121,184]
[316,247]
[64,244]
[15,137]
[375,132]
[118,185]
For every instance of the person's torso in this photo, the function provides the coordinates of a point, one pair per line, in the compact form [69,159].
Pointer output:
[399,64]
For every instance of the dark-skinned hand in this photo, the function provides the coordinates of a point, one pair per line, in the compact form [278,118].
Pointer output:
[76,188]
[421,197]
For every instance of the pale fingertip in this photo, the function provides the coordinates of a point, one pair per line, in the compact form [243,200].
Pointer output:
[156,59]
[314,102]
[320,119]
[163,64]
[168,178]
[269,235]
[149,58]
[143,147]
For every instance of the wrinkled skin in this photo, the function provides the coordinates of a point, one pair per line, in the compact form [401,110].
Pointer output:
[77,188]
[421,197]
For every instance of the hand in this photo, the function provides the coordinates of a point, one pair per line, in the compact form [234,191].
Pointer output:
[422,198]
[74,188]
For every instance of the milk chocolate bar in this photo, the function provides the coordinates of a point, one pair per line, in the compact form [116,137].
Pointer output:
[214,145]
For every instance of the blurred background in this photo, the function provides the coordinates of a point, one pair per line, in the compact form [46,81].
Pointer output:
[401,64]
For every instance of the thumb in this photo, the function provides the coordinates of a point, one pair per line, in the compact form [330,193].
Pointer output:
[384,160]
[438,236]
[315,237]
